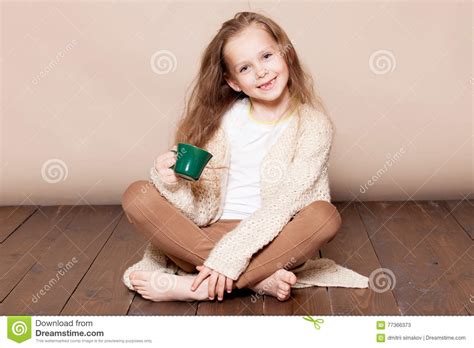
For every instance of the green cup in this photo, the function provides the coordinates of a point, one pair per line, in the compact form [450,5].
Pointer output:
[190,162]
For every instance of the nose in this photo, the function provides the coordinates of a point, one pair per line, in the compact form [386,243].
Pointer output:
[261,72]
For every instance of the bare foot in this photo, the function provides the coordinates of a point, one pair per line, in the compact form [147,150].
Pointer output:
[277,285]
[159,286]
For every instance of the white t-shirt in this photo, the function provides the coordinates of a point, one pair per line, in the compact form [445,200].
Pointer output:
[250,140]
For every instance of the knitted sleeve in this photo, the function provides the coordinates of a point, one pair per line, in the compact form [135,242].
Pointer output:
[180,195]
[232,254]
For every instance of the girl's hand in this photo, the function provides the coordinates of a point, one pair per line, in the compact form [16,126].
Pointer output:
[163,164]
[214,278]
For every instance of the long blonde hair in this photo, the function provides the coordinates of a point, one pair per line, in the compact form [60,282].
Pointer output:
[211,96]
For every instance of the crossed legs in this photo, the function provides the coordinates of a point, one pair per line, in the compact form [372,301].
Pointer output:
[188,245]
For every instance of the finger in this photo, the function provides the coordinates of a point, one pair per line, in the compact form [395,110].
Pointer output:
[198,280]
[171,176]
[170,179]
[168,174]
[168,158]
[162,158]
[170,162]
[165,157]
[165,172]
[220,286]
[212,285]
[228,284]
[200,277]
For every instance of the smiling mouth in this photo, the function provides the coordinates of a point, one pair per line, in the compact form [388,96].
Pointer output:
[268,85]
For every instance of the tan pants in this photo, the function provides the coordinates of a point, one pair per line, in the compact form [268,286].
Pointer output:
[188,245]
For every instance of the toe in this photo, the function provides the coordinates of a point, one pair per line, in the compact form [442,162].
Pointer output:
[140,275]
[142,291]
[288,277]
[282,296]
[132,275]
[284,286]
[137,282]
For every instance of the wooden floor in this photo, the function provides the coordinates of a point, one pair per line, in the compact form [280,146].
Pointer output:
[69,260]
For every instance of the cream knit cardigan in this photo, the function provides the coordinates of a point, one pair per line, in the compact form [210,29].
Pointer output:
[293,174]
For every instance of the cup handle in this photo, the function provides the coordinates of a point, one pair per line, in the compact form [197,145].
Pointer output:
[176,152]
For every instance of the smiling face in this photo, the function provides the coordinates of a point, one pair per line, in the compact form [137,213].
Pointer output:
[257,68]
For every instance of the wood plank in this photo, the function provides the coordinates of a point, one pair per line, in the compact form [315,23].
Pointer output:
[352,248]
[463,212]
[102,291]
[58,272]
[460,273]
[303,301]
[11,217]
[238,302]
[427,252]
[140,306]
[33,238]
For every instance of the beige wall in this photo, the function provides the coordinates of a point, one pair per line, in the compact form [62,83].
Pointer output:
[78,88]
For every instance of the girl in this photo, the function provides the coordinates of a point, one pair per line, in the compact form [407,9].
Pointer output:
[262,205]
